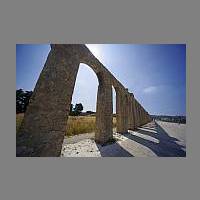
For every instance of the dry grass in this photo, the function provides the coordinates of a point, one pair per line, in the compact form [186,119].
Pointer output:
[19,118]
[82,124]
[75,125]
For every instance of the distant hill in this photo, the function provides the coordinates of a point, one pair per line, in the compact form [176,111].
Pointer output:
[91,113]
[168,118]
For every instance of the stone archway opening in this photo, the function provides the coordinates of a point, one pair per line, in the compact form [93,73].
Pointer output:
[114,110]
[103,102]
[84,92]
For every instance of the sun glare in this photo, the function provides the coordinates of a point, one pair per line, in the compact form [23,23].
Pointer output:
[95,49]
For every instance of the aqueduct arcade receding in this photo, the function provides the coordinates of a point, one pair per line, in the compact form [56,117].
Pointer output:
[46,117]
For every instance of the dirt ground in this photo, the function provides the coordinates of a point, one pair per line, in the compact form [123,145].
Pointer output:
[155,139]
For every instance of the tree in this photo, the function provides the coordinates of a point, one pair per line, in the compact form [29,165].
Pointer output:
[19,100]
[78,109]
[22,100]
[90,112]
[27,96]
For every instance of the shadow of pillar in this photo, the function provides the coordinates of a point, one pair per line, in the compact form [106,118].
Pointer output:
[167,146]
[114,150]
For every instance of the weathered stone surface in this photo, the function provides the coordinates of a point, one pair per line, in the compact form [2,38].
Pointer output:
[46,117]
[104,110]
[131,120]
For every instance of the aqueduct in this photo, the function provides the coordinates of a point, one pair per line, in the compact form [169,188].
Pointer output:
[45,120]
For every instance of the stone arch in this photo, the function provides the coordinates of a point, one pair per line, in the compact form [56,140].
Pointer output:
[45,120]
[104,104]
[46,117]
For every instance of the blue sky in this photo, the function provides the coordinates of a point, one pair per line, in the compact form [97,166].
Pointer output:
[155,73]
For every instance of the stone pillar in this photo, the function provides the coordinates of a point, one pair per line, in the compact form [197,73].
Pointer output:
[125,112]
[46,117]
[139,111]
[104,111]
[142,119]
[131,122]
[138,115]
[135,113]
[145,117]
[142,115]
[150,119]
[121,111]
[129,110]
[143,122]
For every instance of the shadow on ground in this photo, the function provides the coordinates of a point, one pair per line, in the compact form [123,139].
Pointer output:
[152,139]
[113,150]
[166,147]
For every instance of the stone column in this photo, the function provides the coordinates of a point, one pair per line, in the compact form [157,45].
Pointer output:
[121,111]
[141,115]
[131,122]
[104,111]
[138,114]
[138,110]
[125,112]
[145,117]
[140,118]
[144,113]
[135,113]
[143,121]
[150,119]
[46,117]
